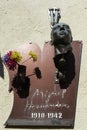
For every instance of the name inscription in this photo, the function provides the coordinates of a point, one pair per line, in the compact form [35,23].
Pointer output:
[40,105]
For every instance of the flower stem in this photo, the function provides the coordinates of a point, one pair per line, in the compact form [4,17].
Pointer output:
[31,75]
[26,60]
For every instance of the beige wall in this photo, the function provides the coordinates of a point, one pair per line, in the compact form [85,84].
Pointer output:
[27,20]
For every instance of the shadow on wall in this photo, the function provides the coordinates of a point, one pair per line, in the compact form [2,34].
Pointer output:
[1,68]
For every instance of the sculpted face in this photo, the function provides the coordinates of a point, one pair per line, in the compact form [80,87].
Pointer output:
[61,35]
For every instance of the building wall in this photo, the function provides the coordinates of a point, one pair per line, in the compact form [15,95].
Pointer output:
[27,20]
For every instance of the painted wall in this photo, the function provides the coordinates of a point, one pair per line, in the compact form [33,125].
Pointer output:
[27,20]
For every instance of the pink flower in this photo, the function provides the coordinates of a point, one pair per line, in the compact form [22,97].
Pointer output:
[11,63]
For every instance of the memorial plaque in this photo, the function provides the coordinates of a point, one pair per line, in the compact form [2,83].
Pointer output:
[40,99]
[45,82]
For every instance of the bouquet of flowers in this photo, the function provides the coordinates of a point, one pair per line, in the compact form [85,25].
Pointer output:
[21,82]
[12,58]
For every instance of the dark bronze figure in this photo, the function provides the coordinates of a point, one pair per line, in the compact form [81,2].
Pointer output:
[61,38]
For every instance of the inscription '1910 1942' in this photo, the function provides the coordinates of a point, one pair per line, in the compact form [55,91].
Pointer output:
[46,115]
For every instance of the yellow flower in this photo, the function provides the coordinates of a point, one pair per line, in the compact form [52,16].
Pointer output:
[33,55]
[16,56]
